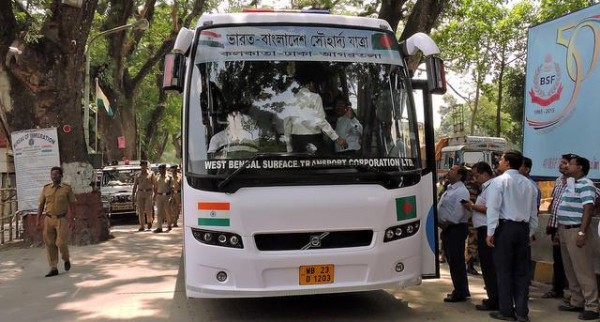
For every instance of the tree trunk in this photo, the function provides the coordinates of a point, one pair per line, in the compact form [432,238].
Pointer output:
[500,89]
[422,18]
[478,82]
[42,88]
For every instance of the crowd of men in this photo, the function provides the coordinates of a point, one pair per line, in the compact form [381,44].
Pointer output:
[505,216]
[162,190]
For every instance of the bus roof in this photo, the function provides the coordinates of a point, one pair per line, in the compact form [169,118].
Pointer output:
[291,18]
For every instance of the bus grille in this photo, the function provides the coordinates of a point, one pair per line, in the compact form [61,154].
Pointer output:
[313,240]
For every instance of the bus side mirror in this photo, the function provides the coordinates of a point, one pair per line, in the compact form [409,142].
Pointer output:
[174,72]
[436,75]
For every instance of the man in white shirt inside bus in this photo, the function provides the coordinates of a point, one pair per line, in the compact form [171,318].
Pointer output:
[304,121]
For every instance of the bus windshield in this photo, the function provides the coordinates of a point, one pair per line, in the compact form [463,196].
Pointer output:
[312,113]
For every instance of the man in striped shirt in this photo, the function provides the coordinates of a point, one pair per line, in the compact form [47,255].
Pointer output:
[559,280]
[574,217]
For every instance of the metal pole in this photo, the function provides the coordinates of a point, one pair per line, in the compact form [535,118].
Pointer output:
[96,126]
[141,24]
[86,97]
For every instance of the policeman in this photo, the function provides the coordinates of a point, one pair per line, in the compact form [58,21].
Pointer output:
[163,186]
[176,198]
[143,184]
[56,199]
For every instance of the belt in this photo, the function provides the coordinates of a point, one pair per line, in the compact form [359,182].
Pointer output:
[145,190]
[512,221]
[569,226]
[55,216]
[163,193]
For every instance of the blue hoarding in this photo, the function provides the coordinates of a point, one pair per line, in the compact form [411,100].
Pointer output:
[562,99]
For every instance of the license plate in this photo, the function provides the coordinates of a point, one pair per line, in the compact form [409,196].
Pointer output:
[316,274]
[122,206]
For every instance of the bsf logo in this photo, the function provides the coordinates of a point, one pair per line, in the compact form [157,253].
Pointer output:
[547,86]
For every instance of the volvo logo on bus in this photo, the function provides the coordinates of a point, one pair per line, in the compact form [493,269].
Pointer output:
[315,241]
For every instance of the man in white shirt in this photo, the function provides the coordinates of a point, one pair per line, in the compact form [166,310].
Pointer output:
[305,122]
[347,126]
[511,222]
[483,175]
[452,218]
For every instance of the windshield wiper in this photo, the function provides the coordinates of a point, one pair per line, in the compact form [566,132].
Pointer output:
[390,177]
[255,157]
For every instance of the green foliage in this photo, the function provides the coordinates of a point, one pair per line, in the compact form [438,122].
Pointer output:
[484,38]
[550,9]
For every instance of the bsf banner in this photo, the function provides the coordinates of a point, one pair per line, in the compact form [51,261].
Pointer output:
[35,152]
[561,100]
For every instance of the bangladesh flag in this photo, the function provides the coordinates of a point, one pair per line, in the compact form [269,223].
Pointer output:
[406,208]
[383,41]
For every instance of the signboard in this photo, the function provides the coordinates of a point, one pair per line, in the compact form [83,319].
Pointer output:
[297,43]
[121,142]
[562,100]
[35,152]
[232,164]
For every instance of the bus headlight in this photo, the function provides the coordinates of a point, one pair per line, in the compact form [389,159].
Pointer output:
[401,231]
[218,238]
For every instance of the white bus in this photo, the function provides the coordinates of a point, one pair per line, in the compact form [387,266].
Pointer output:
[274,203]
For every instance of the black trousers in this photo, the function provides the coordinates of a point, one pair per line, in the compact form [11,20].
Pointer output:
[512,256]
[454,237]
[559,279]
[488,270]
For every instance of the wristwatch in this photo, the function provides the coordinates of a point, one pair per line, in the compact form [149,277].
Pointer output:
[580,233]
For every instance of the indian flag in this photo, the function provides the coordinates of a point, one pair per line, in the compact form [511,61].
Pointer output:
[406,208]
[213,213]
[102,101]
[210,39]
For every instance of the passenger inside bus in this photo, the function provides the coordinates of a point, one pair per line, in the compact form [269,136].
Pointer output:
[347,126]
[304,120]
[240,135]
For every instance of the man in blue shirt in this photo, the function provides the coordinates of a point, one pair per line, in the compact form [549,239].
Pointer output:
[452,218]
[511,221]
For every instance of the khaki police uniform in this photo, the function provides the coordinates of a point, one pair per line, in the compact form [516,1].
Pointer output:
[176,198]
[163,186]
[56,201]
[143,186]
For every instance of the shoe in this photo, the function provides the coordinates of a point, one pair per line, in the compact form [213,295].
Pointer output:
[141,229]
[523,319]
[500,316]
[487,302]
[569,308]
[149,226]
[588,315]
[157,230]
[175,225]
[552,295]
[67,265]
[472,271]
[485,307]
[53,272]
[454,298]
[169,228]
